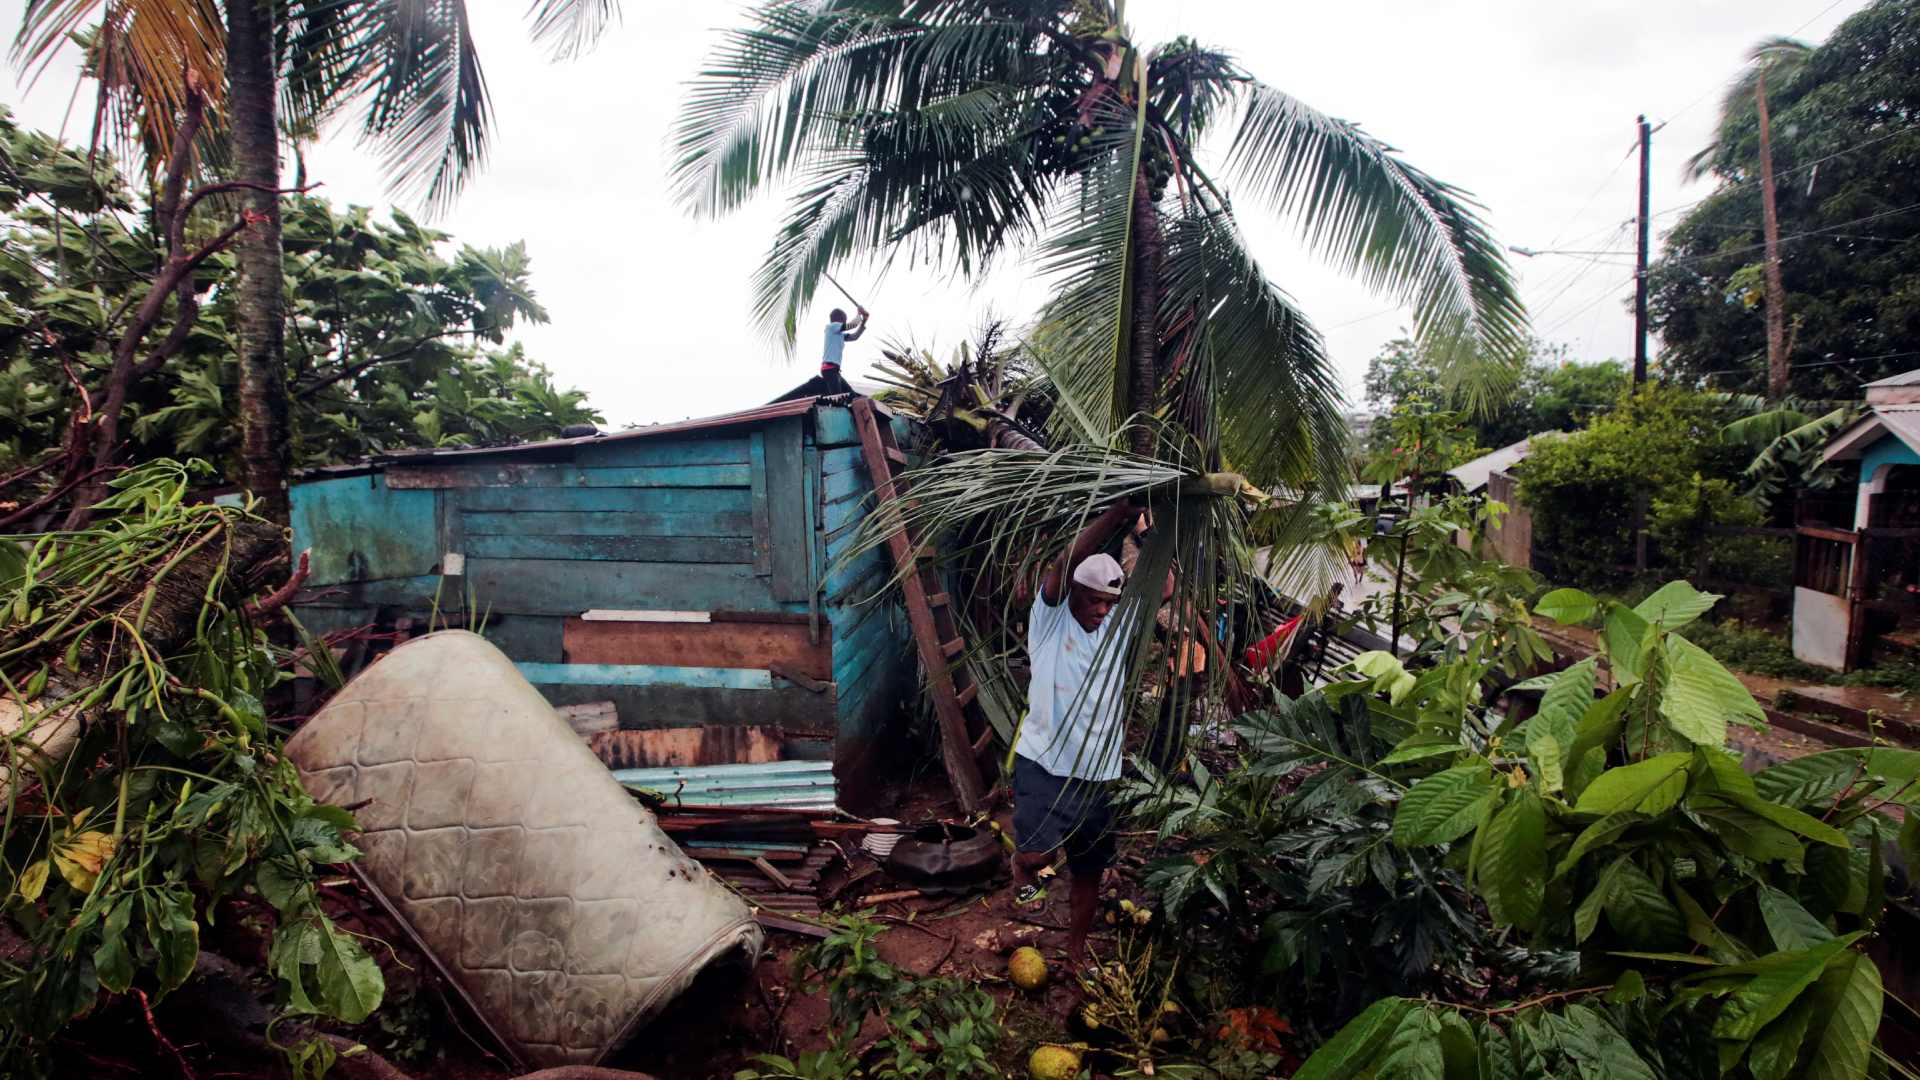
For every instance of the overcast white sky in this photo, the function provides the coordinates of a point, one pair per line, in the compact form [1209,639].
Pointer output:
[1529,106]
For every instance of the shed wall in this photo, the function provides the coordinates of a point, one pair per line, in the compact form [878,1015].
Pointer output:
[736,530]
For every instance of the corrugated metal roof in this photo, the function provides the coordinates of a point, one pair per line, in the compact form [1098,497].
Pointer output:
[1473,475]
[744,418]
[1900,421]
[795,784]
[1905,378]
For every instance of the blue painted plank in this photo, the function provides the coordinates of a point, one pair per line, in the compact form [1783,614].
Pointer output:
[607,523]
[527,637]
[666,450]
[833,426]
[838,544]
[851,661]
[842,484]
[669,549]
[847,508]
[788,514]
[761,505]
[361,530]
[482,474]
[645,675]
[412,595]
[838,461]
[567,587]
[644,500]
[858,588]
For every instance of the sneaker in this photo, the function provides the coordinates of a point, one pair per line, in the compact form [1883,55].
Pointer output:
[1030,896]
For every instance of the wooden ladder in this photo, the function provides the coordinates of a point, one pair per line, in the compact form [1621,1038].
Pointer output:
[966,737]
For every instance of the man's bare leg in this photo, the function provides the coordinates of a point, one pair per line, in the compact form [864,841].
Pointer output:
[1083,897]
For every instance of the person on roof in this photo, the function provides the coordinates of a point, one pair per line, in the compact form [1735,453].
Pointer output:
[1068,749]
[839,332]
[830,383]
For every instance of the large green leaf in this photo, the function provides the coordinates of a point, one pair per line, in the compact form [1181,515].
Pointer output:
[324,970]
[1772,1055]
[1597,1048]
[1638,910]
[1512,861]
[1605,831]
[1353,1050]
[1552,731]
[1701,696]
[1790,925]
[1777,981]
[1445,806]
[1569,607]
[1414,1051]
[1883,771]
[1849,1000]
[1652,787]
[1626,636]
[1674,605]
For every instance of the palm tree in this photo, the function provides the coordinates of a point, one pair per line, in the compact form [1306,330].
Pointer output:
[1744,109]
[409,68]
[953,132]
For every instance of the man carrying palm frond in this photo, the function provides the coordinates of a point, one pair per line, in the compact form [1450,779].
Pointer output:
[1068,750]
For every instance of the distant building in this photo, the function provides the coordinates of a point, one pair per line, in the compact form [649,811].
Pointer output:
[1856,571]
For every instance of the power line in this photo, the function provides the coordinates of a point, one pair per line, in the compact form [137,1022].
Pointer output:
[1689,260]
[1584,308]
[1738,184]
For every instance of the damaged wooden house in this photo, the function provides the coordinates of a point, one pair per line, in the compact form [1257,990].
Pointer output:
[686,573]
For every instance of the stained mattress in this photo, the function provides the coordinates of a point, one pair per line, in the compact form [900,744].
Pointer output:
[548,896]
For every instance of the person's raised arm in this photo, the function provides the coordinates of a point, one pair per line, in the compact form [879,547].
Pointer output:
[853,332]
[1090,539]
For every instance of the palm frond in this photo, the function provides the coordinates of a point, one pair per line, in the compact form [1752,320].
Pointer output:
[1400,231]
[1270,387]
[143,53]
[1002,515]
[571,27]
[940,186]
[776,93]
[412,69]
[1779,59]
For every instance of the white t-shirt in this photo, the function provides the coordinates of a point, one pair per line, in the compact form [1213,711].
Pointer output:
[836,343]
[1074,727]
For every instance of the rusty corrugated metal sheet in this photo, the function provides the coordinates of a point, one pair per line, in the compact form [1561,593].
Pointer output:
[717,744]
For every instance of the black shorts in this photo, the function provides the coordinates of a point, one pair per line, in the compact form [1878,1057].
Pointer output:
[1053,812]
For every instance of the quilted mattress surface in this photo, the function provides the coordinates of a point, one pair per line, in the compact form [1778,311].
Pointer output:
[546,894]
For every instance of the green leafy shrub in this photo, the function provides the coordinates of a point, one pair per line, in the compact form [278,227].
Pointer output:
[1288,878]
[176,796]
[934,1027]
[1718,916]
[1582,488]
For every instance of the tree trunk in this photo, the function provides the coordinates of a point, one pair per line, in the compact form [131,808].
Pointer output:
[1777,370]
[1143,349]
[260,303]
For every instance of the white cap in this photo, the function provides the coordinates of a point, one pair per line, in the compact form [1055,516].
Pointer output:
[1101,573]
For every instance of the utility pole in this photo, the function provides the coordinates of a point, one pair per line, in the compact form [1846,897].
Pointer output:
[1640,264]
[1777,372]
[1640,334]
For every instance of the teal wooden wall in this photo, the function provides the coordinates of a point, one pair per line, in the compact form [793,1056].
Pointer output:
[743,521]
